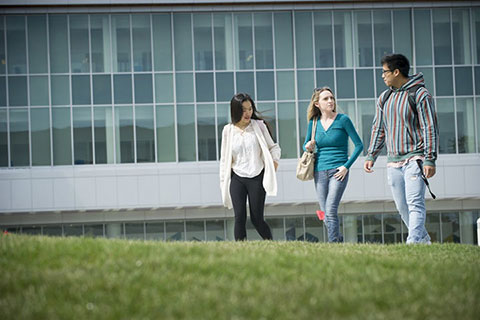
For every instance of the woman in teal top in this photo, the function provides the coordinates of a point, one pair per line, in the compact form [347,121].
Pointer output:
[331,155]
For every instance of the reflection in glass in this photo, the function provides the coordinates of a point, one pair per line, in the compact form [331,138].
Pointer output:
[265,86]
[446,125]
[202,37]
[345,85]
[62,141]
[392,228]
[428,78]
[223,117]
[39,91]
[93,230]
[323,39]
[441,36]
[16,45]
[263,40]
[184,87]
[79,45]
[283,40]
[145,134]
[343,39]
[114,230]
[121,43]
[366,111]
[314,230]
[186,132]
[463,81]
[302,122]
[195,230]
[224,86]
[3,91]
[305,84]
[52,230]
[81,90]
[122,84]
[444,81]
[450,227]
[17,91]
[423,40]
[382,28]
[204,87]
[60,86]
[103,122]
[363,30]
[267,111]
[100,43]
[478,125]
[285,85]
[276,226]
[222,28]
[32,230]
[461,36]
[142,50]
[365,86]
[432,224]
[206,132]
[465,125]
[294,229]
[162,41]
[154,231]
[468,230]
[215,230]
[325,79]
[182,35]
[165,133]
[143,88]
[287,130]
[37,44]
[2,45]
[252,233]
[476,34]
[303,39]
[352,229]
[124,135]
[402,29]
[40,135]
[19,145]
[175,231]
[164,88]
[102,89]
[3,138]
[58,36]
[134,231]
[245,83]
[82,135]
[243,41]
[74,230]
[373,228]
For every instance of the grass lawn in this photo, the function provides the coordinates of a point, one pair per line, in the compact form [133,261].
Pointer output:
[85,278]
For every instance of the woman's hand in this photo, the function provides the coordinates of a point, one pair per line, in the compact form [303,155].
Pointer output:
[341,173]
[310,146]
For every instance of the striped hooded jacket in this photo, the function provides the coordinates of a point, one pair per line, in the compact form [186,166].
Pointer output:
[396,127]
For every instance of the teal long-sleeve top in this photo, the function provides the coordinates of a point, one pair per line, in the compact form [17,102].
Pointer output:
[332,144]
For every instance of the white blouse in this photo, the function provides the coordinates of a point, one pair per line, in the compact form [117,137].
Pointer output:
[246,153]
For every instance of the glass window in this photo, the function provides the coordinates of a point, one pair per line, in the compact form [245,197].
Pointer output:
[392,228]
[100,43]
[154,231]
[82,135]
[114,230]
[182,33]
[476,34]
[58,36]
[62,139]
[373,228]
[446,125]
[204,87]
[305,84]
[276,226]
[343,39]
[19,146]
[162,42]
[206,132]
[444,81]
[243,41]
[267,110]
[3,91]
[432,224]
[366,111]
[283,40]
[75,230]
[2,45]
[245,83]
[145,134]
[381,86]
[32,230]
[450,227]
[294,229]
[134,231]
[121,43]
[52,231]
[39,91]
[287,130]
[165,133]
[352,229]
[428,77]
[81,90]
[463,81]
[365,86]
[142,42]
[478,124]
[37,44]
[40,132]
[441,36]
[325,79]
[265,86]
[423,40]
[402,30]
[304,39]
[93,230]
[222,28]
[263,40]
[124,141]
[461,36]
[323,39]
[143,88]
[215,230]
[285,85]
[184,87]
[164,88]
[363,35]
[225,86]
[16,45]
[60,86]
[102,89]
[17,91]
[186,132]
[79,46]
[468,221]
[302,123]
[466,125]
[3,138]
[175,231]
[223,117]
[252,233]
[103,122]
[122,84]
[345,85]
[314,230]
[382,29]
[202,36]
[195,230]
[477,80]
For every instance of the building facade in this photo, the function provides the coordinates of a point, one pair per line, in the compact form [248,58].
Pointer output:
[111,114]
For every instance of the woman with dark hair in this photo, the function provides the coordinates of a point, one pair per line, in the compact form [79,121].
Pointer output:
[249,159]
[331,157]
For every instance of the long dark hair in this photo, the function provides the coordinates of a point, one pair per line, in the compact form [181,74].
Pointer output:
[236,109]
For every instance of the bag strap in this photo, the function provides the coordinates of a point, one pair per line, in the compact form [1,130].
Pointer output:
[312,138]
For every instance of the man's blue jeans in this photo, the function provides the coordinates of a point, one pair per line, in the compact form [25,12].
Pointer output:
[329,193]
[408,191]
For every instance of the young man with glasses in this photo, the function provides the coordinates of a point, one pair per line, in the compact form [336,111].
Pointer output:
[405,120]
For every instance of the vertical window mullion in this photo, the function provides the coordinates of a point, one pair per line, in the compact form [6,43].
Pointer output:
[28,95]
[195,106]
[174,68]
[296,103]
[92,113]
[132,79]
[71,93]
[49,77]
[154,97]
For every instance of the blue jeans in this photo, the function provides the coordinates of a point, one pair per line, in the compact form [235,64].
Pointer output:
[408,191]
[329,193]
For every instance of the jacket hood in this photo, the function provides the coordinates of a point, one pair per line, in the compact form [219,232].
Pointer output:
[414,80]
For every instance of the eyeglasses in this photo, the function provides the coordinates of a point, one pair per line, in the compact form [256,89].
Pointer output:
[385,71]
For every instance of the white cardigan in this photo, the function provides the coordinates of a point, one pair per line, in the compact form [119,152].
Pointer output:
[270,152]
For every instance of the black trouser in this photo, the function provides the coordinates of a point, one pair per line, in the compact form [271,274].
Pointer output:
[240,188]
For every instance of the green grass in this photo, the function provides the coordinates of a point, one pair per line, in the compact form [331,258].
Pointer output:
[84,278]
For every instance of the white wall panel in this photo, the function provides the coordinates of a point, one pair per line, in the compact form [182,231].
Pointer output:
[42,194]
[21,194]
[148,190]
[85,192]
[106,188]
[63,193]
[127,191]
[5,195]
